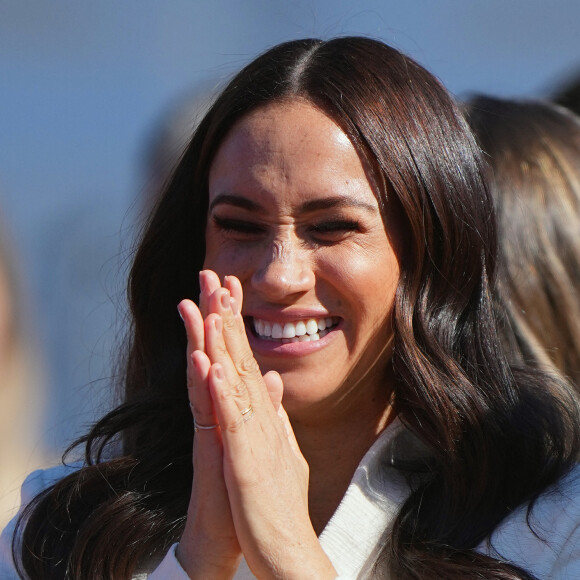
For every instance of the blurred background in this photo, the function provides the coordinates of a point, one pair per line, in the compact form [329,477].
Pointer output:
[92,95]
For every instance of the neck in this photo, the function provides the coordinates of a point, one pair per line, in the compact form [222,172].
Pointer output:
[334,448]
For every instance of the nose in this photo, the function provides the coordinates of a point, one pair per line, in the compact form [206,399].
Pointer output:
[284,272]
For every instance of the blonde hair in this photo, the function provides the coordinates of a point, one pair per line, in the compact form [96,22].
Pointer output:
[533,148]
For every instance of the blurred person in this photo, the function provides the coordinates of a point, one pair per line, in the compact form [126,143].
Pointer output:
[167,140]
[79,279]
[22,385]
[568,93]
[332,399]
[533,149]
[83,273]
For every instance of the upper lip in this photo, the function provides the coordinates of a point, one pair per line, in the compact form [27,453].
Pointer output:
[287,315]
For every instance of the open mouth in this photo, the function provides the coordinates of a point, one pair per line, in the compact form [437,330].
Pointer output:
[310,329]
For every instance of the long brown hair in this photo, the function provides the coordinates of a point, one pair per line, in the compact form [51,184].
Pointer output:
[496,441]
[533,148]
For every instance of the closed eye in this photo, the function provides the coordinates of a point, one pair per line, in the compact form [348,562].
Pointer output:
[333,231]
[325,232]
[336,226]
[239,227]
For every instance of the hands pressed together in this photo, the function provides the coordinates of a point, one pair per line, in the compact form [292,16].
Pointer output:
[250,486]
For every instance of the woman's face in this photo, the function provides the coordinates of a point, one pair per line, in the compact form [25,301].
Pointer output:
[292,214]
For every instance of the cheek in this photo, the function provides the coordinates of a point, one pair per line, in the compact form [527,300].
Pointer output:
[367,283]
[368,272]
[226,259]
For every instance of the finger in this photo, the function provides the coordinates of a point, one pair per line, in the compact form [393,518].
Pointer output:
[228,412]
[233,285]
[217,352]
[198,391]
[243,437]
[236,344]
[193,323]
[289,431]
[209,282]
[275,388]
[235,288]
[197,364]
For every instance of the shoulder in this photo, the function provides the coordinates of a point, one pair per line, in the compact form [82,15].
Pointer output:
[34,484]
[545,540]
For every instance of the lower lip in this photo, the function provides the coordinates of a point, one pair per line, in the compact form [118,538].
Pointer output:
[269,346]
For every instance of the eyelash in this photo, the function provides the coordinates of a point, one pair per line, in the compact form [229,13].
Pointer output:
[336,226]
[238,226]
[249,229]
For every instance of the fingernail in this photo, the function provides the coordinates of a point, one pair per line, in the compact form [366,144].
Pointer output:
[180,315]
[226,300]
[218,324]
[235,306]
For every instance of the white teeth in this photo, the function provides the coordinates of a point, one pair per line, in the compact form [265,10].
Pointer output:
[277,330]
[311,326]
[300,328]
[289,330]
[300,331]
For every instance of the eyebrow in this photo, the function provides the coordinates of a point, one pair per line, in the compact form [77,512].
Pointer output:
[308,206]
[235,200]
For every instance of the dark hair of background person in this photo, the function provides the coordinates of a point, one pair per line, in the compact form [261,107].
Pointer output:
[568,93]
[533,149]
[496,441]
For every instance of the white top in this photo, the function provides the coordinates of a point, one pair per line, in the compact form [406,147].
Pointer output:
[352,537]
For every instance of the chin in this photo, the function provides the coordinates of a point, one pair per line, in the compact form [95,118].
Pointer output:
[301,398]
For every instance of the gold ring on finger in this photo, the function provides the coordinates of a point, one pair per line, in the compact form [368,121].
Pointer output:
[247,413]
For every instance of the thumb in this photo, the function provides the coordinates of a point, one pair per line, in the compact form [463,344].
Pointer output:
[275,388]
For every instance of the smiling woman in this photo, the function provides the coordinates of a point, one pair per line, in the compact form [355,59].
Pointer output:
[330,244]
[303,235]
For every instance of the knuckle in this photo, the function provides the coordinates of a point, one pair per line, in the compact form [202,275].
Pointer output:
[239,322]
[196,411]
[239,389]
[229,323]
[247,365]
[221,350]
[235,426]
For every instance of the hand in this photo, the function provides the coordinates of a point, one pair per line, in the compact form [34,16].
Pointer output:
[264,471]
[208,547]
